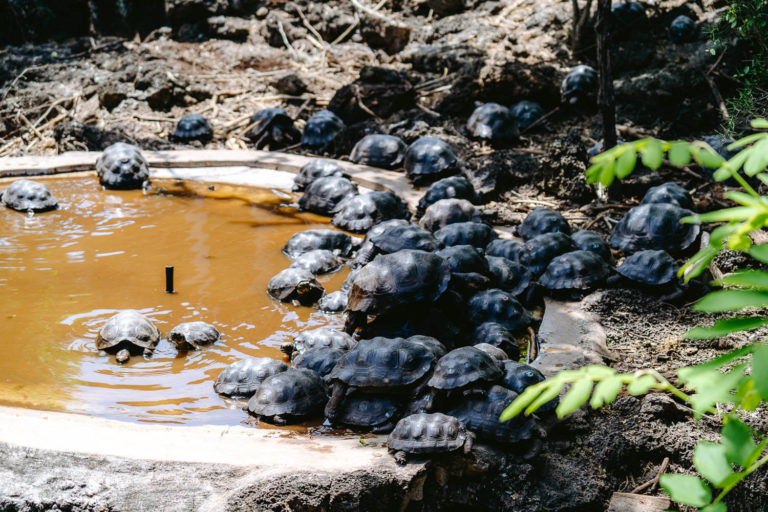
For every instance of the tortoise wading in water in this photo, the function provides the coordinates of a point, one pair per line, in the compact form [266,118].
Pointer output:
[288,397]
[128,333]
[122,167]
[242,378]
[29,196]
[193,335]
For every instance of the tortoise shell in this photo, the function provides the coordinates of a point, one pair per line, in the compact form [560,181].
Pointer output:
[651,268]
[321,129]
[429,159]
[509,276]
[481,415]
[321,360]
[540,250]
[452,187]
[294,394]
[449,211]
[428,433]
[464,259]
[576,270]
[493,122]
[683,30]
[313,239]
[580,85]
[334,302]
[295,284]
[323,195]
[272,127]
[504,248]
[475,234]
[397,279]
[543,220]
[318,262]
[654,226]
[193,335]
[314,169]
[526,113]
[382,363]
[359,213]
[493,333]
[130,330]
[498,306]
[518,376]
[462,367]
[365,411]
[122,167]
[192,127]
[670,193]
[322,337]
[241,378]
[393,238]
[377,150]
[586,240]
[495,352]
[437,348]
[29,196]
[629,16]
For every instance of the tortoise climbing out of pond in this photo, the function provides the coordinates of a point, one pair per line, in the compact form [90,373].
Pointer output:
[193,335]
[318,262]
[396,280]
[421,434]
[492,122]
[429,159]
[29,196]
[314,169]
[314,239]
[655,226]
[587,240]
[653,272]
[377,150]
[452,187]
[128,333]
[526,113]
[323,195]
[543,220]
[378,414]
[273,128]
[288,397]
[574,273]
[449,211]
[318,338]
[295,284]
[242,378]
[122,167]
[321,129]
[580,85]
[476,234]
[192,127]
[670,193]
[360,213]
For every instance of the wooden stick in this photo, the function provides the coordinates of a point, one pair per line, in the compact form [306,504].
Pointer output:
[654,481]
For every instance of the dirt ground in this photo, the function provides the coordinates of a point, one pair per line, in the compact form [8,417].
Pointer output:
[86,93]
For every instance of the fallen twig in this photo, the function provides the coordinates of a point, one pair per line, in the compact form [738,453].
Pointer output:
[653,482]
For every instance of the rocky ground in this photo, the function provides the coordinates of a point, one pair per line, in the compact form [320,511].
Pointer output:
[399,67]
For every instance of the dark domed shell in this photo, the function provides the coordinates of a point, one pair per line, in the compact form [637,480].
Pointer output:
[272,127]
[127,329]
[241,379]
[386,151]
[576,270]
[295,284]
[359,213]
[296,393]
[543,220]
[526,113]
[193,335]
[651,268]
[396,237]
[453,187]
[463,367]
[384,363]
[481,415]
[629,15]
[540,250]
[670,193]
[495,352]
[466,233]
[518,376]
[121,166]
[317,168]
[509,276]
[683,30]
[324,194]
[493,122]
[500,307]
[321,129]
[586,240]
[437,348]
[654,226]
[464,259]
[428,433]
[323,337]
[495,334]
[580,85]
[334,302]
[449,211]
[192,127]
[359,410]
[318,262]
[29,196]
[320,360]
[504,248]
[429,159]
[313,239]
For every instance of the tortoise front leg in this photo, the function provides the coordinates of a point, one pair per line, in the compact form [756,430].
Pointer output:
[333,405]
[354,320]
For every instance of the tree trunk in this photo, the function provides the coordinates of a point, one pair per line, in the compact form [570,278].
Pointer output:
[606,97]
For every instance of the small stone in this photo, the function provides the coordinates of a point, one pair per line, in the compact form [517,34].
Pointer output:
[290,84]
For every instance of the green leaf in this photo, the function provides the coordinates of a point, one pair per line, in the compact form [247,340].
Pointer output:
[575,397]
[759,252]
[549,394]
[607,174]
[606,392]
[738,442]
[521,402]
[715,388]
[686,489]
[756,453]
[760,369]
[715,507]
[711,463]
[625,164]
[641,384]
[759,124]
[745,141]
[597,372]
[593,173]
[698,263]
[721,174]
[725,327]
[652,154]
[706,156]
[726,215]
[757,159]
[756,279]
[679,154]
[731,300]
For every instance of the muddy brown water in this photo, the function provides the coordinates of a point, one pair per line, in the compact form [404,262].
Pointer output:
[64,273]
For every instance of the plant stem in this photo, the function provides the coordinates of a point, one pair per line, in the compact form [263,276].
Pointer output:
[751,469]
